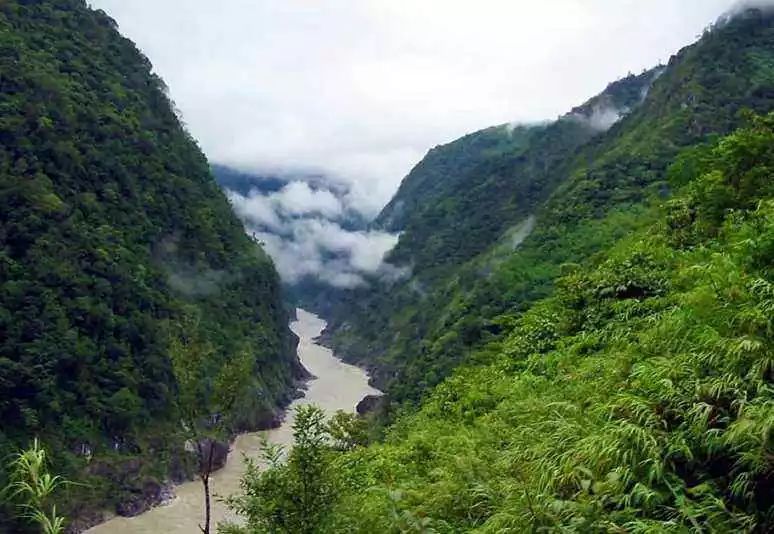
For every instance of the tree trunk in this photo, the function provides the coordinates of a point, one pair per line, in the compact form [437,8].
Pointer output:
[206,483]
[206,469]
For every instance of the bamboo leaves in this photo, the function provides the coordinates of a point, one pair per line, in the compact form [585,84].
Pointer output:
[32,487]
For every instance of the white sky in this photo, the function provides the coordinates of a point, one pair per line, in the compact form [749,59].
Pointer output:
[361,89]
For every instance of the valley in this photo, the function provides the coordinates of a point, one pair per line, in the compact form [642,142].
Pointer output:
[334,386]
[556,324]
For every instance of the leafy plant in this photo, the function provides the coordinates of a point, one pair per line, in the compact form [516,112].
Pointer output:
[32,487]
[290,494]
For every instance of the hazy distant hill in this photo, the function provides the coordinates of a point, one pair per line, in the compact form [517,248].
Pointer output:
[243,183]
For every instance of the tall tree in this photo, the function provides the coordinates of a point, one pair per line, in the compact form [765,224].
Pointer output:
[291,494]
[204,399]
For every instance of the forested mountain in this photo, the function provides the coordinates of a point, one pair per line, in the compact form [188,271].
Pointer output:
[489,268]
[117,252]
[636,398]
[463,195]
[607,366]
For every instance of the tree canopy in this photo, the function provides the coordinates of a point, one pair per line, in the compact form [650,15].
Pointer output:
[115,244]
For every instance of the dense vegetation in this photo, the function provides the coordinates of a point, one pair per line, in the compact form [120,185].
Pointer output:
[610,359]
[415,332]
[584,343]
[638,397]
[116,245]
[463,195]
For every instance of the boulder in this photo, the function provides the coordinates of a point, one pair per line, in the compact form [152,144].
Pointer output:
[220,451]
[369,403]
[132,505]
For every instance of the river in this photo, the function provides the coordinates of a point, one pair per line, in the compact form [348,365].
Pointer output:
[337,386]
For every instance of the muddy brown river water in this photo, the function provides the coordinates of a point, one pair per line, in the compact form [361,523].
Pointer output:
[337,386]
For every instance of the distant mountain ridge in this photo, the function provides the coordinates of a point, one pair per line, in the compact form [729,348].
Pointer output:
[446,166]
[243,181]
[463,195]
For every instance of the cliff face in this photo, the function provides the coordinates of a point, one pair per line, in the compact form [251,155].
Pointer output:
[116,245]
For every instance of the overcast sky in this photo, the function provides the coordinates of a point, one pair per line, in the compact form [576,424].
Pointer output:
[361,89]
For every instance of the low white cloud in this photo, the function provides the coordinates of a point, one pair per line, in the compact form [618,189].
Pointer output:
[297,198]
[601,117]
[301,229]
[256,210]
[365,249]
[359,90]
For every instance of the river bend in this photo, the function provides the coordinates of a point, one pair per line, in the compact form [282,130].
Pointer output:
[336,386]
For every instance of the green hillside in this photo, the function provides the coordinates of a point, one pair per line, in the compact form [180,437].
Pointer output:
[116,244]
[637,398]
[413,333]
[612,373]
[463,195]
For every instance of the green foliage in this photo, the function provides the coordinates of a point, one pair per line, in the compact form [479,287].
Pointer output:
[347,431]
[290,495]
[112,234]
[637,397]
[471,279]
[31,487]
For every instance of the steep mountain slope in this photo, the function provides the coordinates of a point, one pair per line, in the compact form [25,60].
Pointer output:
[639,397]
[612,372]
[115,243]
[463,195]
[414,332]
